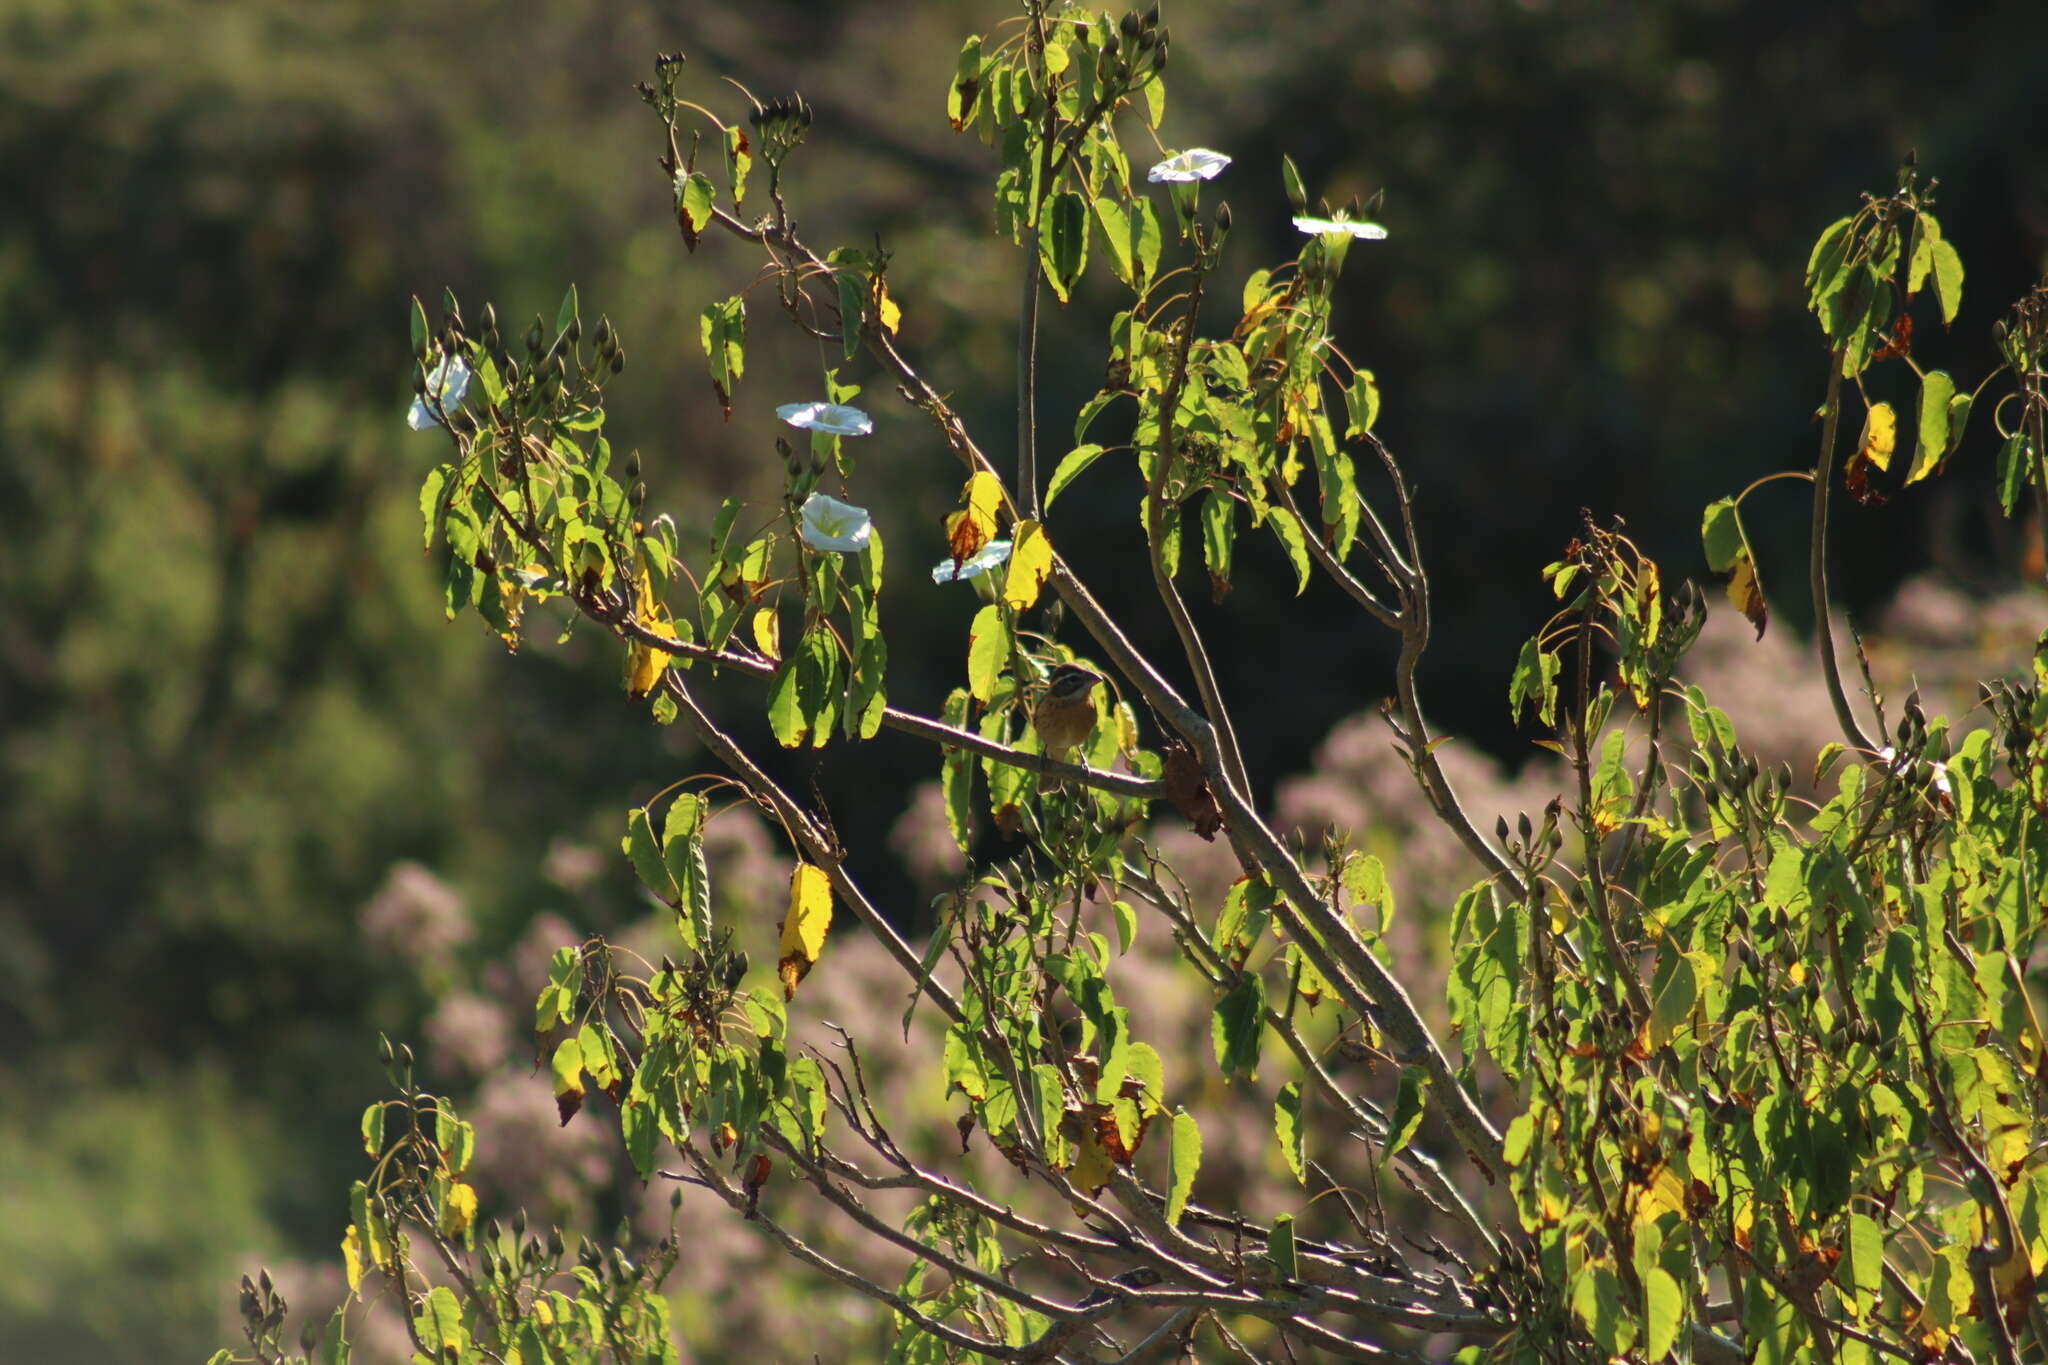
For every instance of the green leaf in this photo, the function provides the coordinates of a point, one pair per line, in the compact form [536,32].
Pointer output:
[723,331]
[439,1323]
[852,307]
[1920,263]
[1288,1127]
[419,328]
[1219,536]
[988,650]
[640,1126]
[1155,100]
[566,314]
[432,494]
[1365,878]
[1185,1158]
[1948,280]
[1677,993]
[956,780]
[1936,391]
[1063,241]
[1294,540]
[1070,466]
[644,851]
[1407,1115]
[1866,1261]
[1663,1311]
[1280,1248]
[1534,682]
[1142,1064]
[942,934]
[1290,179]
[961,1067]
[1958,419]
[695,198]
[1090,410]
[818,687]
[1362,403]
[869,697]
[1859,340]
[785,704]
[739,158]
[963,96]
[1146,241]
[2015,470]
[1115,219]
[1235,1026]
[1721,535]
[1824,273]
[373,1129]
[683,854]
[1597,1302]
[1126,926]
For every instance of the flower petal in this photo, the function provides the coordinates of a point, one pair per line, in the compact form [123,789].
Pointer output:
[834,419]
[984,559]
[1359,229]
[838,527]
[1196,163]
[449,381]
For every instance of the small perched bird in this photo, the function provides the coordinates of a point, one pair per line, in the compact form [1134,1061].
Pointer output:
[1065,713]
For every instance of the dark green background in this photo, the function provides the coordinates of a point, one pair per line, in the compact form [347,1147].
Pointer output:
[228,701]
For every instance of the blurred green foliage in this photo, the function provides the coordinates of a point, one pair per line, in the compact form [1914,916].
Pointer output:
[230,701]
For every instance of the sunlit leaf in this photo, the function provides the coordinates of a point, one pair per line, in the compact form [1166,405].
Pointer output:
[988,652]
[1880,435]
[1936,389]
[1185,1159]
[1948,280]
[1747,593]
[803,928]
[1070,466]
[975,524]
[1287,1126]
[1030,563]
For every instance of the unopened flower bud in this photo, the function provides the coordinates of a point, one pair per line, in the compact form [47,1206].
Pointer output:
[639,493]
[633,463]
[575,332]
[618,360]
[1152,17]
[1130,23]
[1223,217]
[534,337]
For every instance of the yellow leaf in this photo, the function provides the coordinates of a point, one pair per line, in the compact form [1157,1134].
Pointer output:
[892,315]
[352,1257]
[1665,1193]
[645,663]
[1030,562]
[1880,435]
[768,633]
[975,525]
[458,1211]
[1748,594]
[803,928]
